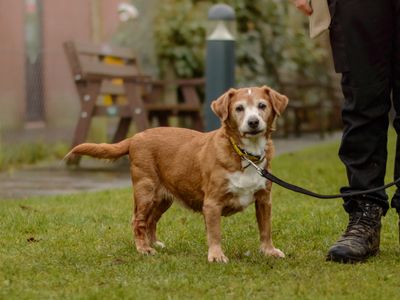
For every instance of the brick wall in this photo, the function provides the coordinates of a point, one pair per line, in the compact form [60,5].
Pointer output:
[62,20]
[12,80]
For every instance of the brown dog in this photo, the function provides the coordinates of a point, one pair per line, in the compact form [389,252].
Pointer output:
[203,170]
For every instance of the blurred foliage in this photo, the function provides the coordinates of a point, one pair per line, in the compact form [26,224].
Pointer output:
[138,35]
[272,45]
[30,153]
[180,33]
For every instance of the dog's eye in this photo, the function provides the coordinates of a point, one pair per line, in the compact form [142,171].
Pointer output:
[239,108]
[262,105]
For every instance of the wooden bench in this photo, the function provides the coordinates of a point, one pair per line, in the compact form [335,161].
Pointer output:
[102,72]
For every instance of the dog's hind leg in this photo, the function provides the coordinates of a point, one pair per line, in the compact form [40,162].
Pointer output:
[145,198]
[156,214]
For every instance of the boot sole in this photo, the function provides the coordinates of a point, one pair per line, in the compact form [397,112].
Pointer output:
[351,259]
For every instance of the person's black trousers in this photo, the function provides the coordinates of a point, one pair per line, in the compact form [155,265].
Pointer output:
[365,39]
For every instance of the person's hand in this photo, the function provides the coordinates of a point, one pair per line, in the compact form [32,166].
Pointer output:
[303,6]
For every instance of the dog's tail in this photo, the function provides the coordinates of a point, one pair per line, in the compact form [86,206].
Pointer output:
[104,151]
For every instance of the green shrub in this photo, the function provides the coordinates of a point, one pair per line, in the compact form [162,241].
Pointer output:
[272,40]
[270,44]
[29,153]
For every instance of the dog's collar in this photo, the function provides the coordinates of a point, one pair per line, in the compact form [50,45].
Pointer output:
[244,154]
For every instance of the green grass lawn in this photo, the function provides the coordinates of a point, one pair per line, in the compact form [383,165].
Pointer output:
[80,247]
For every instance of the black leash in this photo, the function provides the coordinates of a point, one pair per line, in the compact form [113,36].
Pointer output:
[264,173]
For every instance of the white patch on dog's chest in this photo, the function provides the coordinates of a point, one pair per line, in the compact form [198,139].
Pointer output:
[244,184]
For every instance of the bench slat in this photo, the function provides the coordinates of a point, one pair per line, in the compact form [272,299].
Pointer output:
[120,110]
[109,88]
[162,107]
[105,50]
[124,110]
[98,70]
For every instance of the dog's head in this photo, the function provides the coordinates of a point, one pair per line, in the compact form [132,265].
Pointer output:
[251,111]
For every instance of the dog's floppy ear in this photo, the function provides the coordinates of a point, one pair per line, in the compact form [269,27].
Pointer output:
[278,101]
[221,106]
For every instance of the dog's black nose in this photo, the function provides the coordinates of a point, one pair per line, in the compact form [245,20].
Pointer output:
[253,123]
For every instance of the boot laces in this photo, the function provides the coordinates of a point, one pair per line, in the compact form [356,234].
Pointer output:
[363,221]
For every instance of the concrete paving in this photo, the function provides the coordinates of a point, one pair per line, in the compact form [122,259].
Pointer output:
[94,175]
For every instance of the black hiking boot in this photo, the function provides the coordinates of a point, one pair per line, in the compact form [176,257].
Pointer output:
[362,236]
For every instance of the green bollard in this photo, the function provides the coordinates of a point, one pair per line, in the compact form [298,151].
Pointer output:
[220,60]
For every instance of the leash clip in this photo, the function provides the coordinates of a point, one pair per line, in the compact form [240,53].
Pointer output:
[258,169]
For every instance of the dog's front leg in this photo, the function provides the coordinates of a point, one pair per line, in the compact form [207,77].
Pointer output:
[263,214]
[212,217]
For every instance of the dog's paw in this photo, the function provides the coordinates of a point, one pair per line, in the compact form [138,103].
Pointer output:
[146,250]
[216,255]
[275,252]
